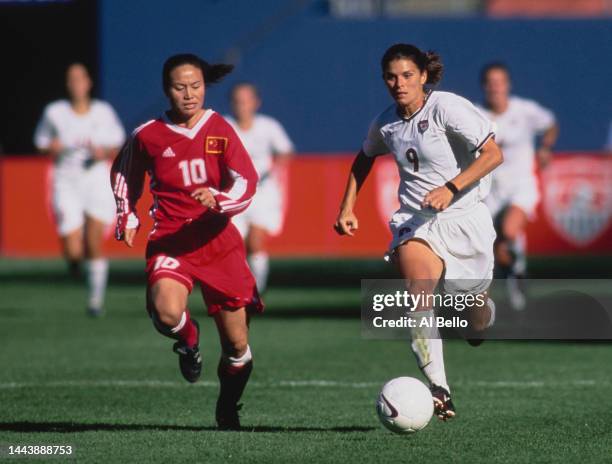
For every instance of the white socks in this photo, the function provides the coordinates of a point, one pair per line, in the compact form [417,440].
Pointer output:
[259,264]
[491,305]
[238,362]
[427,348]
[97,275]
[519,247]
[181,323]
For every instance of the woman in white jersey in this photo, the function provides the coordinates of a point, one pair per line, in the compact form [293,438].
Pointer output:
[514,190]
[82,136]
[269,146]
[443,147]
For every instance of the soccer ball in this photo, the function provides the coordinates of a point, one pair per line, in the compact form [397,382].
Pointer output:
[404,405]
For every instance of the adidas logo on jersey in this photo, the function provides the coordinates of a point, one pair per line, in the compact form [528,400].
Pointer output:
[168,153]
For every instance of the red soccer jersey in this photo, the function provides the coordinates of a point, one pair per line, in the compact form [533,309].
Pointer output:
[180,160]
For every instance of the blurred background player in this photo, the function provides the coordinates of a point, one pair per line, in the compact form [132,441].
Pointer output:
[270,148]
[201,175]
[514,188]
[434,137]
[82,135]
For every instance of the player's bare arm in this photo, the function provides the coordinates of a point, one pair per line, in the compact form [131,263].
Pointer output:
[282,159]
[441,197]
[103,153]
[54,149]
[346,222]
[128,237]
[549,138]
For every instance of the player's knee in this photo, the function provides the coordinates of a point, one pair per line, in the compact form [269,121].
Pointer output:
[480,324]
[503,253]
[73,251]
[480,318]
[510,232]
[167,311]
[236,348]
[256,240]
[512,227]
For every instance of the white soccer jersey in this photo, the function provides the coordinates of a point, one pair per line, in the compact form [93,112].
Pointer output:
[431,147]
[263,140]
[100,126]
[516,130]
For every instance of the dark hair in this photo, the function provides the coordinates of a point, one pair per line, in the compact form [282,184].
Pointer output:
[212,73]
[237,85]
[490,67]
[426,61]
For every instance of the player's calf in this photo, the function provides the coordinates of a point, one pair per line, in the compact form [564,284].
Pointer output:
[234,373]
[190,359]
[187,332]
[480,319]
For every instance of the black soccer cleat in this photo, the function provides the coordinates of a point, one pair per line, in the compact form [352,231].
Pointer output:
[227,416]
[475,341]
[444,408]
[95,312]
[190,359]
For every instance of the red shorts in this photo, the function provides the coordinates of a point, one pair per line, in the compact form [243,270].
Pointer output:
[210,252]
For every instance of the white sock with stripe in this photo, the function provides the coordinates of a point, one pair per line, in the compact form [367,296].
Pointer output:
[97,276]
[427,348]
[240,360]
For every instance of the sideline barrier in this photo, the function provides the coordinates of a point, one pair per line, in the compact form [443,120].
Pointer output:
[574,216]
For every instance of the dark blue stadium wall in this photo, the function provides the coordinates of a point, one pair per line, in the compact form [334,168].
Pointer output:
[320,76]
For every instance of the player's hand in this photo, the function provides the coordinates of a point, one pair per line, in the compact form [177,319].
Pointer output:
[346,224]
[55,148]
[438,199]
[98,153]
[204,196]
[129,235]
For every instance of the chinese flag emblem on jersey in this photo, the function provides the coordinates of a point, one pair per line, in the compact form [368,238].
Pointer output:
[215,145]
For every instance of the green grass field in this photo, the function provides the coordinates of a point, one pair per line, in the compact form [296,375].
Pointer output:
[111,387]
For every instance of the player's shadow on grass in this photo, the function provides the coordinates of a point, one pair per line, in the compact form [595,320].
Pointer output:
[73,427]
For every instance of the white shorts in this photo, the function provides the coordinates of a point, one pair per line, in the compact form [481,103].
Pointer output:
[265,211]
[82,192]
[524,194]
[462,239]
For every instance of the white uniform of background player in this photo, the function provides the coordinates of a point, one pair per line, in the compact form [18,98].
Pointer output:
[80,184]
[515,181]
[82,143]
[514,191]
[264,139]
[430,148]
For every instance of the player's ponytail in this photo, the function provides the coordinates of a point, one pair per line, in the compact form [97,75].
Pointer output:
[434,67]
[212,73]
[425,61]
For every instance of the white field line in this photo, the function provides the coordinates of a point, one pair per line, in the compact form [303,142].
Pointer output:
[289,384]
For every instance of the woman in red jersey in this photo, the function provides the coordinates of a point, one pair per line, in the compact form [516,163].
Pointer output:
[201,175]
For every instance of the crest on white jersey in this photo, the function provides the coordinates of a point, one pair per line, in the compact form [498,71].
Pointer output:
[423,125]
[168,153]
[578,198]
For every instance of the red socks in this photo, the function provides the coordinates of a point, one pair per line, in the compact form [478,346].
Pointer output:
[187,331]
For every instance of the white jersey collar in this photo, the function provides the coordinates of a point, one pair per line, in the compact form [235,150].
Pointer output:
[413,115]
[189,133]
